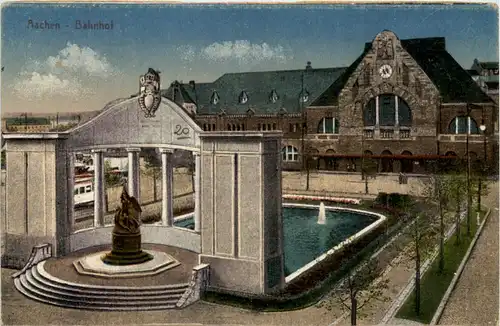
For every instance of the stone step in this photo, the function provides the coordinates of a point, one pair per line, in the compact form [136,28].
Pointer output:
[69,304]
[38,294]
[57,284]
[41,271]
[68,294]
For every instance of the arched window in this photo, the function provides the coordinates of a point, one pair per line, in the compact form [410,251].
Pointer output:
[404,113]
[369,114]
[387,110]
[462,125]
[290,154]
[392,110]
[328,126]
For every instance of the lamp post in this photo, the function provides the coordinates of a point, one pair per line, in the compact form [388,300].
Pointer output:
[482,127]
[469,199]
[308,168]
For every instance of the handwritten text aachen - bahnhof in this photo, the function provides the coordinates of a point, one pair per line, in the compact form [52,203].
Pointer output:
[77,24]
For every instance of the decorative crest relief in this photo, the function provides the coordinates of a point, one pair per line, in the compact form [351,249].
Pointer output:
[384,47]
[150,97]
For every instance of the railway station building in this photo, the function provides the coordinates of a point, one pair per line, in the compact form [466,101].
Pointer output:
[405,104]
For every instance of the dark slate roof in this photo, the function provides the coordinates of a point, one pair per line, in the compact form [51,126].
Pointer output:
[330,96]
[472,72]
[489,65]
[179,93]
[453,82]
[259,87]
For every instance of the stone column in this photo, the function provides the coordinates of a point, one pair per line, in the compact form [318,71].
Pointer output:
[197,178]
[377,112]
[98,187]
[70,168]
[133,173]
[396,118]
[167,212]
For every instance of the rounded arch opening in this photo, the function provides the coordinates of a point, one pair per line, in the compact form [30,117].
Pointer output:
[462,125]
[406,163]
[387,162]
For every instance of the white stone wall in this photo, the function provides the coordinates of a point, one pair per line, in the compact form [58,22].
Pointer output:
[241,211]
[35,196]
[170,236]
[352,184]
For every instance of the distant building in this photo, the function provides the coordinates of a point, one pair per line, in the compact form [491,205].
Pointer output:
[485,74]
[405,103]
[27,124]
[50,121]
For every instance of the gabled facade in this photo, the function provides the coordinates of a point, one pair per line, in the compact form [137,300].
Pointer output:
[406,103]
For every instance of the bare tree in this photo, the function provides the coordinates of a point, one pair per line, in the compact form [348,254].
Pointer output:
[457,192]
[422,233]
[438,190]
[152,168]
[360,286]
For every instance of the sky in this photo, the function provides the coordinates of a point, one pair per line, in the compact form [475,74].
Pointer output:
[74,69]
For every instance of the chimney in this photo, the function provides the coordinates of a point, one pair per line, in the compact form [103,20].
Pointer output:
[308,66]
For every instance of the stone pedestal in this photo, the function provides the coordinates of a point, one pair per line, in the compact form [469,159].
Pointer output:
[126,249]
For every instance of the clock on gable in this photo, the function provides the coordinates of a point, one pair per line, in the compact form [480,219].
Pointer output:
[385,71]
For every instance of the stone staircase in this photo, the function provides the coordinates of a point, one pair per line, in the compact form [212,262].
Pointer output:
[37,284]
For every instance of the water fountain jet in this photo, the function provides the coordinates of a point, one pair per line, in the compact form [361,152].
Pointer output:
[322,214]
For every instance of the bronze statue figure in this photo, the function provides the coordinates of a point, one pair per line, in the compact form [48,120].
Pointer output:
[127,216]
[126,238]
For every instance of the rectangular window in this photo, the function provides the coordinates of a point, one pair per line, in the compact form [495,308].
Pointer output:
[88,189]
[328,125]
[387,110]
[82,190]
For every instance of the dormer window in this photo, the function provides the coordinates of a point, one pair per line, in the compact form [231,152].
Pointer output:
[304,96]
[273,97]
[215,98]
[243,97]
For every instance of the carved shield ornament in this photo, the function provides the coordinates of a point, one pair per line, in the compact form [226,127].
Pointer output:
[149,97]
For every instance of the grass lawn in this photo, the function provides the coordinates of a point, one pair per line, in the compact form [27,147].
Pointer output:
[434,284]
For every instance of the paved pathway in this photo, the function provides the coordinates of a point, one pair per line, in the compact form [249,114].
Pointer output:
[474,300]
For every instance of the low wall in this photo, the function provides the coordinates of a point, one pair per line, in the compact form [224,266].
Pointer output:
[351,183]
[16,248]
[169,236]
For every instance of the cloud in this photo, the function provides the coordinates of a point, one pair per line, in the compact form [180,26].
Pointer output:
[80,59]
[63,74]
[243,50]
[186,52]
[39,86]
